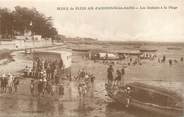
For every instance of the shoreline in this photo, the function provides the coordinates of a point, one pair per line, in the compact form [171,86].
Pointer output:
[6,55]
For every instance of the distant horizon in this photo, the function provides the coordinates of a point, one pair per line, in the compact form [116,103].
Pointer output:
[152,41]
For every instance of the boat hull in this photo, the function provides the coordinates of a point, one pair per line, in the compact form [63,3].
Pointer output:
[121,98]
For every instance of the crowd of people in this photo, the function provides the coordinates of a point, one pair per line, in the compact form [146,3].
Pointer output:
[42,87]
[45,69]
[9,83]
[46,77]
[46,81]
[171,61]
[85,82]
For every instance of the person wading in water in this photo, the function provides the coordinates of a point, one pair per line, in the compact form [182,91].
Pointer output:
[118,78]
[122,75]
[110,71]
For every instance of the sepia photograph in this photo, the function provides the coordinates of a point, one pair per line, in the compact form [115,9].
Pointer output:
[91,58]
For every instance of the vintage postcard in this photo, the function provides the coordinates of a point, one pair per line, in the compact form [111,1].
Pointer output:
[91,58]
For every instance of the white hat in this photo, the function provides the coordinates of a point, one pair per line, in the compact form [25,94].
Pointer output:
[128,88]
[45,80]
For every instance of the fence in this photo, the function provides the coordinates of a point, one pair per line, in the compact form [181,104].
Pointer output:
[21,44]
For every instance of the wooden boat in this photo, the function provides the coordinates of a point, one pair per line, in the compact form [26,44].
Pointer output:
[148,50]
[80,50]
[174,48]
[149,98]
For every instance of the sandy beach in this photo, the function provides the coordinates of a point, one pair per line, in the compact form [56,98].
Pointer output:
[96,103]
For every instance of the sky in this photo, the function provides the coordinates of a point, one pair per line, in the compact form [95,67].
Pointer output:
[163,25]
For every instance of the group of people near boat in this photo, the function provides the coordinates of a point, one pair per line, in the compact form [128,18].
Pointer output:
[116,82]
[118,79]
[9,83]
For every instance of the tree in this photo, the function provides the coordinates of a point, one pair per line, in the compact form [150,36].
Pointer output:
[6,23]
[20,19]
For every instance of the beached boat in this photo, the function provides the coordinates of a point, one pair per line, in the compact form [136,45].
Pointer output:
[148,50]
[149,98]
[174,48]
[80,50]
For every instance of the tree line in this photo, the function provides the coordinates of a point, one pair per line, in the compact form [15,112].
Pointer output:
[23,19]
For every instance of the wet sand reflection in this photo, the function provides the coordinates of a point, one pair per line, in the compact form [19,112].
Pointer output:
[93,105]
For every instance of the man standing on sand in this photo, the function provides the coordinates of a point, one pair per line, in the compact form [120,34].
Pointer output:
[61,91]
[110,71]
[164,59]
[181,59]
[122,74]
[128,91]
[40,87]
[118,78]
[82,74]
[16,83]
[3,82]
